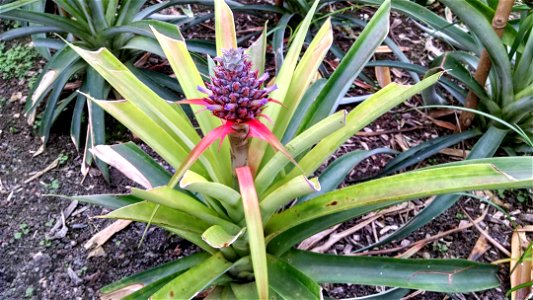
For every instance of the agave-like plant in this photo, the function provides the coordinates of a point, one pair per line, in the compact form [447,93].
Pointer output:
[120,26]
[229,199]
[505,110]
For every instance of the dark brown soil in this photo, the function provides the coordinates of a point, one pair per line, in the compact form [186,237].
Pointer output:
[33,266]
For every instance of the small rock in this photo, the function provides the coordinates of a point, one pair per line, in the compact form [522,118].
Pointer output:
[528,218]
[405,243]
[15,96]
[74,277]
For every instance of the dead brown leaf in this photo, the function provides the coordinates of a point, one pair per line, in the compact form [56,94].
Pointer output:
[479,249]
[97,240]
[521,272]
[383,76]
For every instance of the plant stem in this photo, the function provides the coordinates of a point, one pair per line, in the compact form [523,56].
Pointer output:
[499,21]
[239,146]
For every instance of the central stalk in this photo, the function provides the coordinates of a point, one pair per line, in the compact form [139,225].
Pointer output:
[239,145]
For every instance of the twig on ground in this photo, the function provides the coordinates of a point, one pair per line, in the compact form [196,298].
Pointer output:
[424,241]
[375,133]
[487,235]
[38,174]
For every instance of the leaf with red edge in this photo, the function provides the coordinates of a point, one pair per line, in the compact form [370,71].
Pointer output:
[254,228]
[218,133]
[259,130]
[198,101]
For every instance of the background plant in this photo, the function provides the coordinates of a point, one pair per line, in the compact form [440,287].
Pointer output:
[508,59]
[247,243]
[16,61]
[120,26]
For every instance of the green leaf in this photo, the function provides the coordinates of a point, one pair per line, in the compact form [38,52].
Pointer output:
[61,60]
[228,197]
[112,201]
[257,51]
[335,173]
[451,63]
[518,287]
[133,162]
[303,76]
[477,23]
[100,89]
[284,76]
[362,115]
[278,39]
[169,197]
[216,237]
[165,216]
[57,89]
[172,120]
[29,30]
[439,275]
[514,172]
[196,279]
[144,279]
[298,145]
[351,65]
[509,126]
[127,11]
[291,283]
[486,146]
[295,125]
[224,27]
[77,114]
[149,131]
[14,5]
[243,291]
[297,187]
[110,11]
[427,149]
[98,14]
[46,19]
[522,77]
[190,79]
[196,183]
[254,226]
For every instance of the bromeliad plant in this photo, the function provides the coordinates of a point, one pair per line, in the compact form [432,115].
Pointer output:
[505,113]
[229,198]
[122,26]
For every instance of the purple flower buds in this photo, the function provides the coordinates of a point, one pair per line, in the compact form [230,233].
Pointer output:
[235,93]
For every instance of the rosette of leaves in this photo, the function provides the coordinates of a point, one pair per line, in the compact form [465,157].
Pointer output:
[230,190]
[504,102]
[122,26]
[504,113]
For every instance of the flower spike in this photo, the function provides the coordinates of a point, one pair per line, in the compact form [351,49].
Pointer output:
[236,94]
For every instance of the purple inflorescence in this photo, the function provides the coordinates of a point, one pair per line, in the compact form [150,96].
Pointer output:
[235,92]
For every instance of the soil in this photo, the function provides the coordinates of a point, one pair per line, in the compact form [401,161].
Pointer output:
[36,266]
